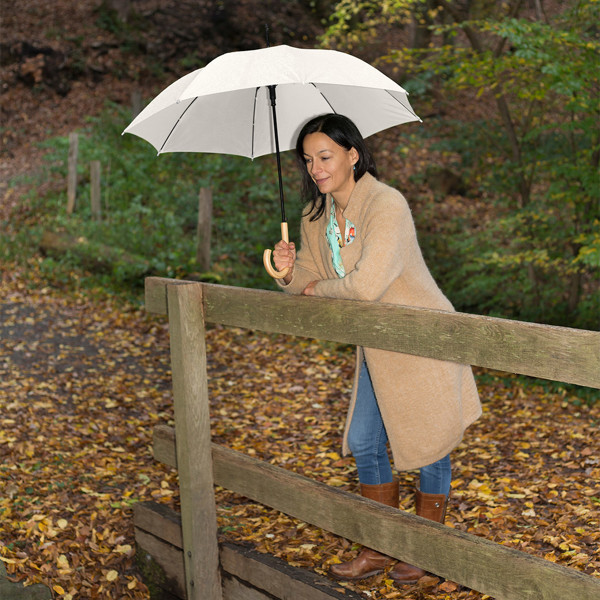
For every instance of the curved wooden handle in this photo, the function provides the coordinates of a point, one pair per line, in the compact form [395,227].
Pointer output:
[267,256]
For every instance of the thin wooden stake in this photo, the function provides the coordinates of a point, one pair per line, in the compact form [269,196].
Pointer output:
[107,189]
[72,172]
[95,190]
[136,103]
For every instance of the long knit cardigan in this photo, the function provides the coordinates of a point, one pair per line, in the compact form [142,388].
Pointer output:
[426,404]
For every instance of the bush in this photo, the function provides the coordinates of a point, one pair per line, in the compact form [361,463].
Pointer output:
[150,204]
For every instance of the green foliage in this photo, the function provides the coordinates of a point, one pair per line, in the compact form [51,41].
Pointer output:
[149,209]
[536,158]
[354,23]
[536,259]
[508,261]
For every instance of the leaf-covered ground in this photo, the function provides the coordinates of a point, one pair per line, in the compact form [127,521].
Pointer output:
[83,383]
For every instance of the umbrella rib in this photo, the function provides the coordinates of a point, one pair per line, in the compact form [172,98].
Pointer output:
[254,120]
[177,123]
[408,108]
[323,96]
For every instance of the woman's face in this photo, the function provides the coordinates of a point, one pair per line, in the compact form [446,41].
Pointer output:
[330,165]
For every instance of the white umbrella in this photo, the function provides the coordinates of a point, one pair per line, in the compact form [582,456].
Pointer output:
[228,106]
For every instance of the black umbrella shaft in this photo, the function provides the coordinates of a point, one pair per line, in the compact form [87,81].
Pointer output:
[277,153]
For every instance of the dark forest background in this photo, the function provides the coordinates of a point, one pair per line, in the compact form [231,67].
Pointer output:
[502,175]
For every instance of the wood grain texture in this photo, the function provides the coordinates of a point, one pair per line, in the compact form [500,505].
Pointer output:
[549,352]
[277,578]
[170,560]
[160,520]
[490,568]
[192,425]
[269,576]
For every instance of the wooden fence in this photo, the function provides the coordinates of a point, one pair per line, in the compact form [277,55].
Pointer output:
[544,351]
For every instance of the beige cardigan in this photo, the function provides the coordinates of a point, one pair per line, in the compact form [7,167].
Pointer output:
[426,404]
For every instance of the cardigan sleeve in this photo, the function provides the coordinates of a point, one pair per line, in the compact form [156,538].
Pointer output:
[388,230]
[305,268]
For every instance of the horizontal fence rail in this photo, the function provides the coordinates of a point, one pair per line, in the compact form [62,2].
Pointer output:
[503,573]
[545,351]
[555,353]
[247,573]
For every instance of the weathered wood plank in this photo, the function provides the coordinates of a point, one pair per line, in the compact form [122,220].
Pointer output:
[170,560]
[234,589]
[549,352]
[160,520]
[501,572]
[277,578]
[192,425]
[163,445]
[155,294]
[267,573]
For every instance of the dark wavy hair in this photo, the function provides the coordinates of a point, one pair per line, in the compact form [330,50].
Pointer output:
[344,133]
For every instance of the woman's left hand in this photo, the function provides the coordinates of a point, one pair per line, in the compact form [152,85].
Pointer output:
[309,290]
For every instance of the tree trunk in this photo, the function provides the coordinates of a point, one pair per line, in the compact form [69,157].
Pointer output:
[421,34]
[457,12]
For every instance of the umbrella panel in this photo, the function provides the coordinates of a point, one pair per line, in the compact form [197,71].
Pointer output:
[241,122]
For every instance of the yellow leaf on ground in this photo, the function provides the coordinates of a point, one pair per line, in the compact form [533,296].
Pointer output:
[112,575]
[62,562]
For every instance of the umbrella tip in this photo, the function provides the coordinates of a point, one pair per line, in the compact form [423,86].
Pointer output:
[267,35]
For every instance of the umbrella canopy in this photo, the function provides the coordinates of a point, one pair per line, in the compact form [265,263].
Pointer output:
[225,107]
[229,106]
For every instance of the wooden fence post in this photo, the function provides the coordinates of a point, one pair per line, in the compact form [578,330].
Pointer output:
[72,172]
[136,103]
[205,202]
[194,454]
[95,189]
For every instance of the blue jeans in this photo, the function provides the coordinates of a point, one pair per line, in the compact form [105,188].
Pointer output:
[367,439]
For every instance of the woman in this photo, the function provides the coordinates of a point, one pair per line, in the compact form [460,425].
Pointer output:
[358,242]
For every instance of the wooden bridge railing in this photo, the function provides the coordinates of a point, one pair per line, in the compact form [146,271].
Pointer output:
[556,353]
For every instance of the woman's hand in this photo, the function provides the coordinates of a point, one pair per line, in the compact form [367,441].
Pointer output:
[309,290]
[284,256]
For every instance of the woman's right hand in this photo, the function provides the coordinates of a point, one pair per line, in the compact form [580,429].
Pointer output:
[284,256]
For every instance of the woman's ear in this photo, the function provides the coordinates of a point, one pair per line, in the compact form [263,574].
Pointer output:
[354,156]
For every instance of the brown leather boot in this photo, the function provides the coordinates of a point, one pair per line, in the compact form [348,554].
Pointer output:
[428,506]
[369,562]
